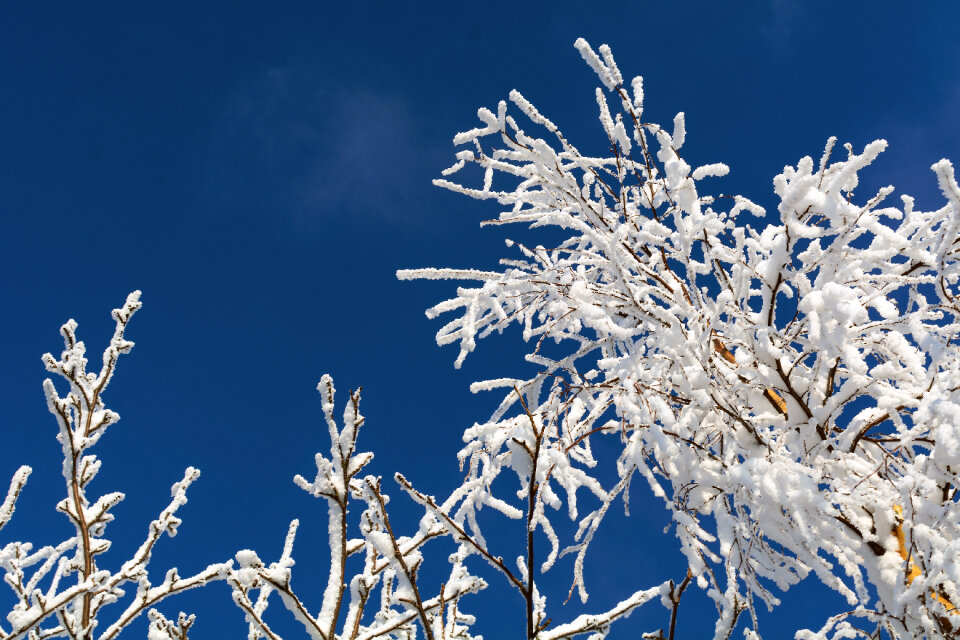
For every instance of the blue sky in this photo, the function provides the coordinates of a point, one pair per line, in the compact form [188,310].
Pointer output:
[261,171]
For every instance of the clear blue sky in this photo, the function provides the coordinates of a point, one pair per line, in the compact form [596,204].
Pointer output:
[261,170]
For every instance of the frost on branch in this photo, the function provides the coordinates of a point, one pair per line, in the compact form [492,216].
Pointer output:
[61,591]
[792,393]
[383,598]
[163,629]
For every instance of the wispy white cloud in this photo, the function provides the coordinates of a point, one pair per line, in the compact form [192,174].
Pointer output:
[293,139]
[783,15]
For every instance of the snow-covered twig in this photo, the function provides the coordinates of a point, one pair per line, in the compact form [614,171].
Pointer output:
[77,590]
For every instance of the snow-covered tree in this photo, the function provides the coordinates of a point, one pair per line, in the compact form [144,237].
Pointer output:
[791,392]
[61,591]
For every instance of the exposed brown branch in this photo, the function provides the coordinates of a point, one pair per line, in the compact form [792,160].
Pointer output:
[675,595]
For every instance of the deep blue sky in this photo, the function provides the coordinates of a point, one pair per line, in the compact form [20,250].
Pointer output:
[261,170]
